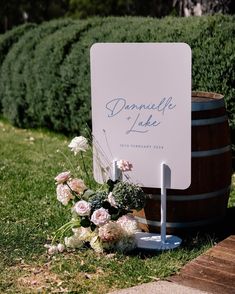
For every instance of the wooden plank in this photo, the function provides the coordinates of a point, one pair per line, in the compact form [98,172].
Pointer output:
[214,271]
[206,273]
[201,284]
[222,253]
[216,263]
[228,244]
[232,237]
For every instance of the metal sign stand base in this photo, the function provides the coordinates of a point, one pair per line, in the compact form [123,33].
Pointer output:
[152,241]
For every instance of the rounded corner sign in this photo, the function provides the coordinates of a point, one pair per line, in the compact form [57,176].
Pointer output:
[141,110]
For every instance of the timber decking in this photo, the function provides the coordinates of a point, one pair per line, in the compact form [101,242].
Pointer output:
[213,271]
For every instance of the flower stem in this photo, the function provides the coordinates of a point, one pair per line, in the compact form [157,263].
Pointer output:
[69,161]
[60,233]
[85,170]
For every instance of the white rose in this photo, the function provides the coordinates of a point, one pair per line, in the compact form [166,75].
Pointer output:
[78,144]
[84,234]
[73,242]
[129,224]
[63,194]
[100,217]
[111,200]
[82,208]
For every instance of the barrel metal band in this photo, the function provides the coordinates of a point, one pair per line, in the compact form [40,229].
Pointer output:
[202,196]
[211,152]
[207,105]
[179,224]
[209,121]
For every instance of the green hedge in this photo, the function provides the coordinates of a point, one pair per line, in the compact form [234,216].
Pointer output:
[45,80]
[9,38]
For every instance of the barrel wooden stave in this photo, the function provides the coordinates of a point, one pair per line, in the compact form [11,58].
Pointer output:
[205,201]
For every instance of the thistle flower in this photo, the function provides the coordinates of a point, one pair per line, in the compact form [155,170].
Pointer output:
[129,196]
[97,200]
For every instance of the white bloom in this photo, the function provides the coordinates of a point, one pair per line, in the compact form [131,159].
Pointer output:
[100,217]
[60,247]
[52,249]
[111,200]
[96,244]
[73,242]
[84,234]
[128,224]
[78,144]
[63,194]
[82,208]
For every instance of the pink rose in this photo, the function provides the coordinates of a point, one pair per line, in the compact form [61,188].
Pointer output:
[77,185]
[63,194]
[62,177]
[100,217]
[82,208]
[124,165]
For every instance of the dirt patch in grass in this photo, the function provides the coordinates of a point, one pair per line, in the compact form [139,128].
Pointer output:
[34,279]
[31,278]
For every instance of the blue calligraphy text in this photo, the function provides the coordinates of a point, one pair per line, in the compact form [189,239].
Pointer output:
[140,116]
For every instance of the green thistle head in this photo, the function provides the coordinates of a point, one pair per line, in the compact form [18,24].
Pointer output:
[129,196]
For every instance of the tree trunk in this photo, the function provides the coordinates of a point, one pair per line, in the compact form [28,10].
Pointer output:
[201,7]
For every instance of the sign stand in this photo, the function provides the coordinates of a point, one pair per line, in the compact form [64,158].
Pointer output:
[153,241]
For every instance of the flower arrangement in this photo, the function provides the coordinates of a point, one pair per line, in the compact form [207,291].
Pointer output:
[100,218]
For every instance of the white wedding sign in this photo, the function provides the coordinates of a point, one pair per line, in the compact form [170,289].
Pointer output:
[141,110]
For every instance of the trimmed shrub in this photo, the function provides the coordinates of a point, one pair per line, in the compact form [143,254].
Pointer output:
[45,78]
[9,38]
[46,96]
[12,83]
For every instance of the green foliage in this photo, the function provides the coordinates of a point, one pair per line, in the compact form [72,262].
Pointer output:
[8,39]
[45,77]
[13,84]
[129,196]
[97,200]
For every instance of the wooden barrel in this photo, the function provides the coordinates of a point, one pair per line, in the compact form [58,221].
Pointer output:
[205,201]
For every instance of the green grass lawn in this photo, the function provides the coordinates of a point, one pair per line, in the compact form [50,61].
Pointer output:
[30,213]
